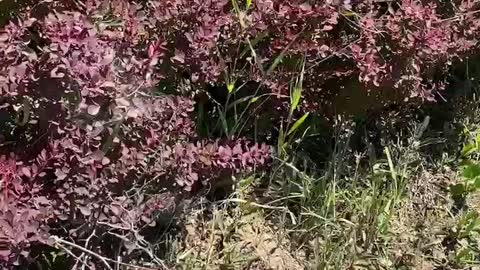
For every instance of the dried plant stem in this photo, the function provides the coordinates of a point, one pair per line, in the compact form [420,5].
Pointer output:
[62,242]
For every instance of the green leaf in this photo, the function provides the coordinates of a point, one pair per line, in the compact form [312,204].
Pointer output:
[249,3]
[255,57]
[422,127]
[457,190]
[472,221]
[251,99]
[280,141]
[476,184]
[230,87]
[469,149]
[464,255]
[295,99]
[224,123]
[276,62]
[471,171]
[296,95]
[279,58]
[235,6]
[253,43]
[297,124]
[246,182]
[393,171]
[350,14]
[240,101]
[254,99]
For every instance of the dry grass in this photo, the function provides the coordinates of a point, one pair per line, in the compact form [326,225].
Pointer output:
[418,235]
[392,213]
[233,240]
[422,222]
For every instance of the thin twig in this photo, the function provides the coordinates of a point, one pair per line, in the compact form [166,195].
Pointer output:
[360,26]
[105,260]
[458,16]
[118,227]
[212,238]
[86,245]
[136,90]
[78,259]
[142,244]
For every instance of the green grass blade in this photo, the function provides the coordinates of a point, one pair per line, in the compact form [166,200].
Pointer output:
[297,124]
[249,3]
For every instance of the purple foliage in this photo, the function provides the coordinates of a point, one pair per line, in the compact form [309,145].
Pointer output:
[81,89]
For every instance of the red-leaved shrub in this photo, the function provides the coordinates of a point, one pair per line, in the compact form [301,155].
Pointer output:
[83,126]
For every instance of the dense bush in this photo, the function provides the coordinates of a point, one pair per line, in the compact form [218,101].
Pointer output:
[82,126]
[85,131]
[385,43]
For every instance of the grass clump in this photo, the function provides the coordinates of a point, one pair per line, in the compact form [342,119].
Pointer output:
[405,207]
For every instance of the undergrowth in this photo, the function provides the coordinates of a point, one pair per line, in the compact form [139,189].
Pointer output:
[405,209]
